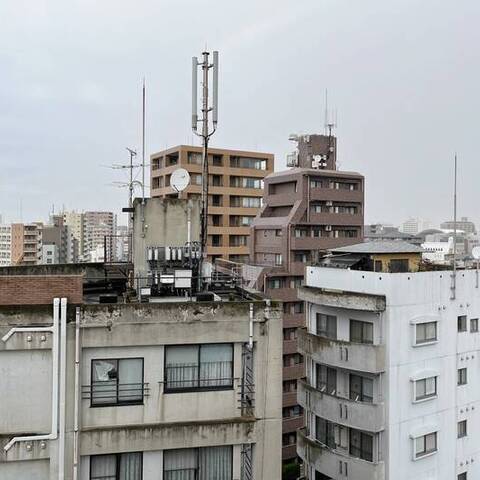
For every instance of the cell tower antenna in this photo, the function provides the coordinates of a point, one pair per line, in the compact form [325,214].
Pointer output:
[325,124]
[205,135]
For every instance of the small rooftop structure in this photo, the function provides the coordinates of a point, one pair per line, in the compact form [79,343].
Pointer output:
[378,256]
[380,246]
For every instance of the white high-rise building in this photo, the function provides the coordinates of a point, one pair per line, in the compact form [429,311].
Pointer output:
[5,245]
[392,361]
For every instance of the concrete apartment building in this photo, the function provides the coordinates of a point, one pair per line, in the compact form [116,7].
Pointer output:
[58,242]
[26,243]
[235,192]
[98,226]
[306,209]
[5,245]
[172,390]
[75,221]
[464,224]
[392,355]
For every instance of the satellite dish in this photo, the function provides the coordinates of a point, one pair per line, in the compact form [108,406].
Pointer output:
[179,180]
[476,253]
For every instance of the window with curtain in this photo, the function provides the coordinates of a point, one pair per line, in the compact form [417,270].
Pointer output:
[361,389]
[326,379]
[327,326]
[117,381]
[120,466]
[361,332]
[208,367]
[361,445]
[324,432]
[212,463]
[426,388]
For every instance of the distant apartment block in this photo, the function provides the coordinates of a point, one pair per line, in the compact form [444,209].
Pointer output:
[464,224]
[306,209]
[26,243]
[391,356]
[5,245]
[235,192]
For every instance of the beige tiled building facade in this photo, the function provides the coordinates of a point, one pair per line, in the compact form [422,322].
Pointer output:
[235,192]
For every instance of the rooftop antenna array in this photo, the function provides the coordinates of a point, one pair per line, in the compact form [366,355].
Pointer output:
[205,135]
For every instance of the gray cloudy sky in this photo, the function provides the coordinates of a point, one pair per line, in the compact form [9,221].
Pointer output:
[403,74]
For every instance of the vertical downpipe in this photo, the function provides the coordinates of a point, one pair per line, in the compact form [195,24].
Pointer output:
[76,418]
[63,369]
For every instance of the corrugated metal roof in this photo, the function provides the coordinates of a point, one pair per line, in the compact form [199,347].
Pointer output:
[380,246]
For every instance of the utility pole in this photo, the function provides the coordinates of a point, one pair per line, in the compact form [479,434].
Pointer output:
[205,135]
[453,295]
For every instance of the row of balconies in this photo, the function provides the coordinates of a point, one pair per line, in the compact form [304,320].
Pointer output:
[334,463]
[362,357]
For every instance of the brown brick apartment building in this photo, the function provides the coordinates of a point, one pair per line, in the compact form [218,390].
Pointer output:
[305,210]
[235,192]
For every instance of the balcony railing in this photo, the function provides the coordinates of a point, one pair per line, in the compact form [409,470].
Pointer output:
[330,461]
[203,376]
[343,354]
[360,415]
[111,393]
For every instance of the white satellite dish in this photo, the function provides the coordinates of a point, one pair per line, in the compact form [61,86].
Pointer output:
[476,253]
[179,180]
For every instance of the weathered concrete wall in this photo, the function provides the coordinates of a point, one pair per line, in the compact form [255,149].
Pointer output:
[164,421]
[165,225]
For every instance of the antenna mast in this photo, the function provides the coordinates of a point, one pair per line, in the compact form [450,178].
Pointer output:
[454,274]
[205,135]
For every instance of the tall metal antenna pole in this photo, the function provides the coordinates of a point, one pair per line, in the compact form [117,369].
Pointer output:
[143,142]
[454,274]
[205,135]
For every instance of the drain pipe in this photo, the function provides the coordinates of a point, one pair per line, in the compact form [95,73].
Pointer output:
[76,415]
[63,371]
[55,368]
[250,330]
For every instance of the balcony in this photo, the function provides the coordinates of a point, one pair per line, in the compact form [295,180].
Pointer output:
[343,219]
[283,294]
[293,320]
[360,415]
[289,399]
[290,346]
[292,424]
[293,372]
[327,461]
[359,357]
[289,451]
[325,194]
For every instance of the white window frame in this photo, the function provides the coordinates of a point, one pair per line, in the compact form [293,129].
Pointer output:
[429,397]
[428,454]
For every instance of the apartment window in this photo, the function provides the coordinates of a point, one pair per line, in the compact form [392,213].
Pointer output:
[301,232]
[117,381]
[247,162]
[217,220]
[238,240]
[361,389]
[194,158]
[120,466]
[289,386]
[326,379]
[300,257]
[462,429]
[289,439]
[295,411]
[324,432]
[361,332]
[278,259]
[194,367]
[278,233]
[426,388]
[425,444]
[217,181]
[292,359]
[425,332]
[462,376]
[216,240]
[297,307]
[462,476]
[246,182]
[275,283]
[327,326]
[217,160]
[216,200]
[462,323]
[198,463]
[289,334]
[474,325]
[361,445]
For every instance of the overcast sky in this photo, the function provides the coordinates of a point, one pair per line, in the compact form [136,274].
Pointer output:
[404,76]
